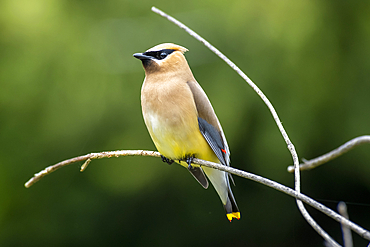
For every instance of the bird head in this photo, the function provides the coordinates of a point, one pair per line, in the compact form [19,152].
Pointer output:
[163,58]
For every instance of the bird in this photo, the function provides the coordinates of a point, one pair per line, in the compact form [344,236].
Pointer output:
[181,120]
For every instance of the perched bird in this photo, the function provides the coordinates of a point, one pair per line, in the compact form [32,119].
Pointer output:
[181,120]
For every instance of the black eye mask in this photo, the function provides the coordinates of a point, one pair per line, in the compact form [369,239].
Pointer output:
[159,55]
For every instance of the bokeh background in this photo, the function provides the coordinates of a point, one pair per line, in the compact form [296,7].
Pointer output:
[70,86]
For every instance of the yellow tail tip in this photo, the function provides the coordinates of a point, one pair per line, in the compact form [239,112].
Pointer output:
[230,216]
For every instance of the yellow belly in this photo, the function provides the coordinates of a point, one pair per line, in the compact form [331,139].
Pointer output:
[177,137]
[180,140]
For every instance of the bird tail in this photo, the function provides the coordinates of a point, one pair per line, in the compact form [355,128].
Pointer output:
[220,181]
[232,210]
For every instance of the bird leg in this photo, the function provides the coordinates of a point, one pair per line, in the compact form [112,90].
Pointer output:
[166,160]
[188,161]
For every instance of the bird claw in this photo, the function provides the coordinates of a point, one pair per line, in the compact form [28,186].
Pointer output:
[189,161]
[166,160]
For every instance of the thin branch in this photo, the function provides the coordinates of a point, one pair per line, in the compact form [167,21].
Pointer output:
[316,226]
[272,184]
[88,158]
[347,235]
[310,164]
[290,145]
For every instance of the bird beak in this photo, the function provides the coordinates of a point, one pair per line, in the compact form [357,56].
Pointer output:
[141,56]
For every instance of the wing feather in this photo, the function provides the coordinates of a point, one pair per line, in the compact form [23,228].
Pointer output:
[206,113]
[213,138]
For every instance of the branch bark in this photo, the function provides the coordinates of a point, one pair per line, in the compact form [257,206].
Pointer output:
[87,158]
[347,235]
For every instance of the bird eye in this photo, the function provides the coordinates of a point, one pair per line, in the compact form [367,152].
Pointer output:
[162,55]
[159,54]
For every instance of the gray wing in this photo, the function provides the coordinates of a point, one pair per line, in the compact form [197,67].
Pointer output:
[213,139]
[212,130]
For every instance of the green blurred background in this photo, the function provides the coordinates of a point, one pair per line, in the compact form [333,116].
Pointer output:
[70,86]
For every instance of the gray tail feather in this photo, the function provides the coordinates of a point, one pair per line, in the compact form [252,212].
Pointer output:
[198,174]
[231,206]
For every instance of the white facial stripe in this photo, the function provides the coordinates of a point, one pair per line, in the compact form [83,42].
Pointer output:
[159,62]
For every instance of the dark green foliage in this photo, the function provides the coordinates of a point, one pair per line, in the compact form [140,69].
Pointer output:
[70,86]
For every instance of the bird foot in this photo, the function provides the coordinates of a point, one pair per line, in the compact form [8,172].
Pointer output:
[166,160]
[188,161]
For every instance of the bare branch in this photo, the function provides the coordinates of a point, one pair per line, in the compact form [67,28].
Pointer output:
[362,232]
[310,164]
[290,145]
[347,236]
[316,226]
[88,158]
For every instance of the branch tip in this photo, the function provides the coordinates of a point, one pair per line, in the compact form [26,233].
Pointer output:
[313,163]
[84,166]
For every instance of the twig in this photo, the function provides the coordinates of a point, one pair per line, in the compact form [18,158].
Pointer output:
[347,236]
[88,158]
[362,232]
[290,145]
[310,164]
